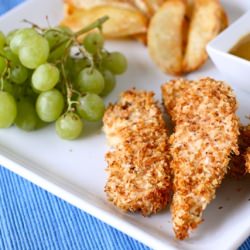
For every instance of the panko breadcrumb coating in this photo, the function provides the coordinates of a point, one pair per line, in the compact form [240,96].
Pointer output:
[206,133]
[138,164]
[239,164]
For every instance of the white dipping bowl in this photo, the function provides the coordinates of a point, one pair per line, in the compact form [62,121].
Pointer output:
[235,70]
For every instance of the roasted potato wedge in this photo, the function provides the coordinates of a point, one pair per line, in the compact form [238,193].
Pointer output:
[205,25]
[142,38]
[177,35]
[88,4]
[165,36]
[143,6]
[122,23]
[154,5]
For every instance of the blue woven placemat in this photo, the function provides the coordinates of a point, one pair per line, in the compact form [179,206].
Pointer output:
[31,218]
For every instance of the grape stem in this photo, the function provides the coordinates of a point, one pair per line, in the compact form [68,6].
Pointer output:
[76,92]
[68,89]
[86,54]
[97,24]
[32,24]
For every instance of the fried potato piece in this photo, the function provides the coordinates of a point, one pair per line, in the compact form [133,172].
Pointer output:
[154,5]
[67,9]
[143,7]
[122,22]
[165,36]
[138,164]
[205,25]
[148,7]
[142,38]
[88,4]
[205,134]
[239,164]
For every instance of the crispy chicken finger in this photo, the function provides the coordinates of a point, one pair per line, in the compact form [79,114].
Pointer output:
[206,132]
[240,164]
[138,164]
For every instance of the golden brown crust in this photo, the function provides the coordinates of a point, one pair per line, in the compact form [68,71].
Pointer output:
[206,133]
[239,164]
[138,168]
[247,159]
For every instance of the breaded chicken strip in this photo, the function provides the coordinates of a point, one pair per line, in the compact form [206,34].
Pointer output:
[239,164]
[206,133]
[138,164]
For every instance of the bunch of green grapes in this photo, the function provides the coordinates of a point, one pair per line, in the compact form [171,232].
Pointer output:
[50,75]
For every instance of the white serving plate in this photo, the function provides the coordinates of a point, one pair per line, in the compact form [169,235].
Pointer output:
[74,170]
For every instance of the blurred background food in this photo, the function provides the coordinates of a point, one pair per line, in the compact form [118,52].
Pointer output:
[175,31]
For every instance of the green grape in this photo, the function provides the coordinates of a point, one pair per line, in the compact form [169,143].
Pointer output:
[69,126]
[18,74]
[69,67]
[91,107]
[15,90]
[10,35]
[56,35]
[20,38]
[65,30]
[45,77]
[34,53]
[109,82]
[93,42]
[41,124]
[26,118]
[3,65]
[8,87]
[8,54]
[8,109]
[29,91]
[74,66]
[115,62]
[90,80]
[79,64]
[49,105]
[53,37]
[59,52]
[2,39]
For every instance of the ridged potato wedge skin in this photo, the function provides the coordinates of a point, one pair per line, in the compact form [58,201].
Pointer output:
[205,25]
[122,22]
[165,36]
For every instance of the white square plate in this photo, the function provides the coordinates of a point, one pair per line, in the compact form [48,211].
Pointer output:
[74,170]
